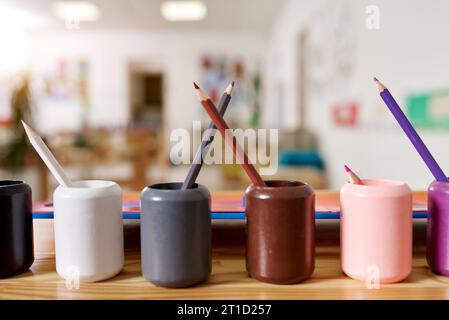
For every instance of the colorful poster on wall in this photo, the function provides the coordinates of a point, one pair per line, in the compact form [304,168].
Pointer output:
[345,114]
[217,72]
[64,82]
[61,88]
[429,110]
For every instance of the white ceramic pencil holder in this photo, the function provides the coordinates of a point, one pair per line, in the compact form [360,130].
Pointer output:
[88,230]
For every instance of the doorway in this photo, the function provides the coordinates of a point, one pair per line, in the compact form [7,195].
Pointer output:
[146,99]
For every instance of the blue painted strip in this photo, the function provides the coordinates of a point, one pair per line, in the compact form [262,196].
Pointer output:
[229,215]
[43,215]
[419,214]
[131,216]
[327,215]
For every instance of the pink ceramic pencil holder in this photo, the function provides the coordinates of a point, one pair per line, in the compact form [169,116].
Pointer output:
[376,230]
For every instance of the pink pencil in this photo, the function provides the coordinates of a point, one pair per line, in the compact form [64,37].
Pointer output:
[352,177]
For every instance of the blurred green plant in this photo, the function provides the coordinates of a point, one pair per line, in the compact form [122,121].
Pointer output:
[13,153]
[256,88]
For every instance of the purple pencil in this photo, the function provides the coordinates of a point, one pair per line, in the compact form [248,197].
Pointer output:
[411,132]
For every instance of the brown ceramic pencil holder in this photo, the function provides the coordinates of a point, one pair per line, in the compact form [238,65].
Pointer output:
[280,245]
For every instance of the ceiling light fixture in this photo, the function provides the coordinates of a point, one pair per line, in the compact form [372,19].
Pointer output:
[183,10]
[76,10]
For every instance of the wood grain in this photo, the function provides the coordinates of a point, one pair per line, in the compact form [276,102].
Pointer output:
[228,281]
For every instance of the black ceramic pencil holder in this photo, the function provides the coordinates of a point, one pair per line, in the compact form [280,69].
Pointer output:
[16,228]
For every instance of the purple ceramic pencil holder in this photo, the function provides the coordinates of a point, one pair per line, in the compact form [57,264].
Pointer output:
[438,228]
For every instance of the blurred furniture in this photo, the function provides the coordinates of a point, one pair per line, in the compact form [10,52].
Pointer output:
[295,162]
[119,155]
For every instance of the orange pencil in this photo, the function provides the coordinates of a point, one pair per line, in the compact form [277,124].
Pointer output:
[222,127]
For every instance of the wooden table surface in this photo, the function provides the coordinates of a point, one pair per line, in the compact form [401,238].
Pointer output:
[229,279]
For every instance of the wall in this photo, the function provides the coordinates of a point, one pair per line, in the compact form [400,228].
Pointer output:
[409,53]
[109,53]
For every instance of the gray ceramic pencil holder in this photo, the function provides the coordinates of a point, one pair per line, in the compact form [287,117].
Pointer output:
[175,235]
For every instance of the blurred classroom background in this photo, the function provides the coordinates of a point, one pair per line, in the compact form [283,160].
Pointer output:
[106,81]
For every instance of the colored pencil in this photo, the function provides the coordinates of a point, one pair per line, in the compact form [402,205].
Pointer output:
[46,155]
[204,147]
[352,177]
[411,132]
[230,139]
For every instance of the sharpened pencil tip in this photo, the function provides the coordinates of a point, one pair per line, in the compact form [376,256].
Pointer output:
[30,132]
[347,169]
[200,92]
[230,88]
[379,84]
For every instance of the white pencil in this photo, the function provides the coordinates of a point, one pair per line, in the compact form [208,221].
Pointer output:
[46,155]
